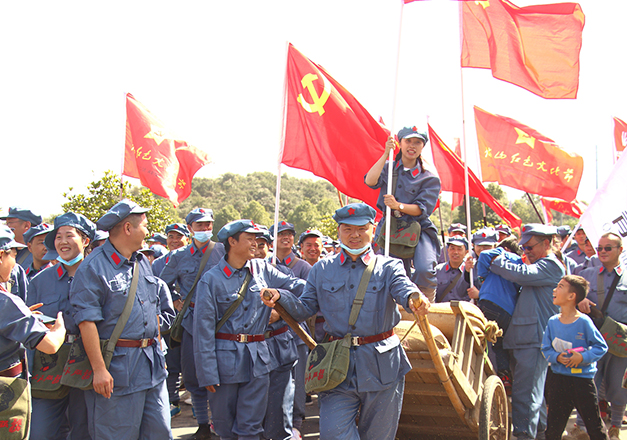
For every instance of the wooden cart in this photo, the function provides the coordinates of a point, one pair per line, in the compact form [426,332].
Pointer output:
[453,395]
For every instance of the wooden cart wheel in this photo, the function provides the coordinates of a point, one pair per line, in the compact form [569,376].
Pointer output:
[493,414]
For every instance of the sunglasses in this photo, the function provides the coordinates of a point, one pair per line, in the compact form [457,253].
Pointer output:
[605,248]
[530,248]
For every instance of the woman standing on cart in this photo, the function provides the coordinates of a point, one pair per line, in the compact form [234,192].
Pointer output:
[412,200]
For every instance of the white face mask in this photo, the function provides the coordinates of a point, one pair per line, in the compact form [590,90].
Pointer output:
[203,236]
[73,261]
[355,251]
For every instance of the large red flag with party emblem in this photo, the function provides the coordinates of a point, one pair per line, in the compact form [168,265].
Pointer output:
[620,135]
[451,171]
[162,163]
[534,47]
[515,155]
[327,131]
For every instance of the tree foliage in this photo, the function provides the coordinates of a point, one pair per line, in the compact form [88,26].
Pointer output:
[104,193]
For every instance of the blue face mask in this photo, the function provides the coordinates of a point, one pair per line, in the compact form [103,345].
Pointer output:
[73,261]
[355,251]
[203,236]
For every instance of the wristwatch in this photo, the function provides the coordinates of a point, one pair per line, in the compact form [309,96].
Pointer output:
[401,207]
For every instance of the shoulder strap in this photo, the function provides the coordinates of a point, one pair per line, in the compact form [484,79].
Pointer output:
[361,291]
[123,319]
[240,297]
[450,286]
[394,180]
[610,293]
[203,263]
[23,257]
[293,262]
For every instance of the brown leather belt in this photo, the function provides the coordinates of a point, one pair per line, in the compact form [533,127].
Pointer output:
[357,340]
[13,371]
[272,333]
[320,319]
[241,337]
[143,343]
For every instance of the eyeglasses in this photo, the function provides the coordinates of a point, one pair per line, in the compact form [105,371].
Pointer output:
[530,248]
[605,248]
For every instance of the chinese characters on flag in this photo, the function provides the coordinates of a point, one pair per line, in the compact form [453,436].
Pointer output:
[515,155]
[163,164]
[620,136]
[327,131]
[534,47]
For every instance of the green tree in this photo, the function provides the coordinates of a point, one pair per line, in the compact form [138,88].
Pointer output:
[328,227]
[257,213]
[305,216]
[523,209]
[104,193]
[476,209]
[224,215]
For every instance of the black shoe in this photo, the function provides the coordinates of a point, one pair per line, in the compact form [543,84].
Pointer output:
[203,433]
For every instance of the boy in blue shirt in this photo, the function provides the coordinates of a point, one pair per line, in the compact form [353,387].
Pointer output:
[572,345]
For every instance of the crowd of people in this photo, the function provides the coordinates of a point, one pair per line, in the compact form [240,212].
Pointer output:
[107,321]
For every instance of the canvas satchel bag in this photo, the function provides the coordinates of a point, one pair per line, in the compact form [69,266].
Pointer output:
[47,371]
[176,329]
[614,332]
[15,407]
[77,372]
[327,364]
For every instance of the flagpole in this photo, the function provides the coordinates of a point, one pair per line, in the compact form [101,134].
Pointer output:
[277,197]
[466,179]
[388,210]
[123,152]
[442,230]
[534,208]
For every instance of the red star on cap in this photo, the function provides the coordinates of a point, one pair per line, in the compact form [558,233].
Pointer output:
[414,129]
[202,211]
[524,228]
[283,223]
[483,235]
[176,226]
[351,211]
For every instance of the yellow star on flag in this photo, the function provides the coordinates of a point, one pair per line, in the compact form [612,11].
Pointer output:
[157,133]
[524,138]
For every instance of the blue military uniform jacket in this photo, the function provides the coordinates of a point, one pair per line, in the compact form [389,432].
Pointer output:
[31,271]
[181,270]
[18,328]
[19,282]
[159,264]
[28,260]
[332,287]
[220,361]
[445,275]
[300,270]
[535,302]
[617,308]
[51,287]
[589,262]
[98,293]
[578,255]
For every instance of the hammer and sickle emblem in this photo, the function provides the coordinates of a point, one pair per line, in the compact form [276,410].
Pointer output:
[319,101]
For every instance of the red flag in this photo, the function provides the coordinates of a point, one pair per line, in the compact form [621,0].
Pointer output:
[574,208]
[535,47]
[163,164]
[620,135]
[515,155]
[458,198]
[451,171]
[327,131]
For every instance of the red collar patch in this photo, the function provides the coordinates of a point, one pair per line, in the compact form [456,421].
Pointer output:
[60,269]
[27,271]
[366,258]
[601,269]
[116,259]
[447,267]
[619,270]
[415,172]
[167,259]
[227,271]
[342,258]
[288,260]
[191,249]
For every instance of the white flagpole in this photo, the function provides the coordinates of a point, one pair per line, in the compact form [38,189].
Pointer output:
[277,197]
[465,157]
[388,211]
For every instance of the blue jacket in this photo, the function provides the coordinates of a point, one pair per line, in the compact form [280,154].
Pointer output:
[494,288]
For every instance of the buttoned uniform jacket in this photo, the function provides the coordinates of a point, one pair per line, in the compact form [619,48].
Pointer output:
[98,294]
[181,270]
[589,262]
[535,305]
[220,361]
[332,287]
[578,255]
[31,272]
[445,273]
[159,264]
[617,308]
[19,328]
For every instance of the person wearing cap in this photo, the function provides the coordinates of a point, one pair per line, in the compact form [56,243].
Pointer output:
[21,220]
[99,239]
[264,240]
[504,231]
[452,285]
[579,253]
[70,236]
[591,260]
[413,200]
[19,327]
[157,239]
[180,271]
[34,239]
[533,309]
[375,381]
[455,230]
[482,240]
[288,262]
[234,363]
[149,253]
[611,368]
[177,236]
[130,399]
[310,243]
[564,233]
